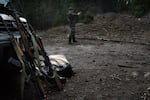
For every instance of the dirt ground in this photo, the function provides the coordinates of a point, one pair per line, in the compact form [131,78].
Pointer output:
[111,58]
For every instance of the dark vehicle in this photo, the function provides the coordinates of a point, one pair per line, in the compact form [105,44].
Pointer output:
[23,77]
[10,67]
[19,72]
[26,69]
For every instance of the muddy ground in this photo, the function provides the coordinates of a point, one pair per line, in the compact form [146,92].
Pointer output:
[111,58]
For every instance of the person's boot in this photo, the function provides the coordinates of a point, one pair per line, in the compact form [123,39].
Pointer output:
[74,40]
[69,42]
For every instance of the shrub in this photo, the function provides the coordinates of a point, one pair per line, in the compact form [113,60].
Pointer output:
[59,20]
[137,10]
[88,17]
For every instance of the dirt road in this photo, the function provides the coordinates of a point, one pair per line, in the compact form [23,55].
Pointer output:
[105,70]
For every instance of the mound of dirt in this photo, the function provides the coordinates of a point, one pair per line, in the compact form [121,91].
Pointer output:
[118,27]
[109,26]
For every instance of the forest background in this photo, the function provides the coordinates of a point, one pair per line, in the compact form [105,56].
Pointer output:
[43,14]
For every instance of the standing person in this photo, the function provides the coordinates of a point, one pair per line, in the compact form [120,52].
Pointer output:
[72,19]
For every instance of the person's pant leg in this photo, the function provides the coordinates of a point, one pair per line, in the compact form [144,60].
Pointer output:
[71,34]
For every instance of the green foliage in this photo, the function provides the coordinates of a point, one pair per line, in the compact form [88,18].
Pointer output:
[88,17]
[59,20]
[139,7]
[138,10]
[48,13]
[120,6]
